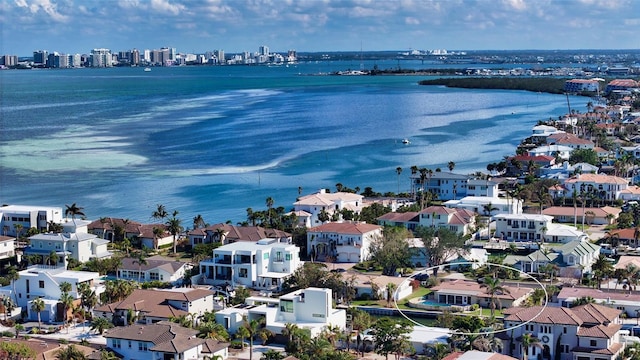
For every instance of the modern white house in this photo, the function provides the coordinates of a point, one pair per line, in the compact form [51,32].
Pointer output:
[606,187]
[262,265]
[446,185]
[162,341]
[482,188]
[477,204]
[155,268]
[42,281]
[331,203]
[310,309]
[586,332]
[152,306]
[459,220]
[534,228]
[561,151]
[74,241]
[343,242]
[28,217]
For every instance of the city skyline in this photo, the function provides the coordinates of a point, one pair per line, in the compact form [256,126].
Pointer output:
[314,26]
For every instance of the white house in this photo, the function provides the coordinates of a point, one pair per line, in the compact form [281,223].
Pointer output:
[151,306]
[310,309]
[446,185]
[162,341]
[155,268]
[345,242]
[28,217]
[477,203]
[606,187]
[586,332]
[459,220]
[262,265]
[41,281]
[228,233]
[7,247]
[534,228]
[74,242]
[482,188]
[562,151]
[331,203]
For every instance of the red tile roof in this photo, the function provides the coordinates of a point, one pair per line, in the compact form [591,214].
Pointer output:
[346,228]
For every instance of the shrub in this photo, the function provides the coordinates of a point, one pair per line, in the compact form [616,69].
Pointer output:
[8,334]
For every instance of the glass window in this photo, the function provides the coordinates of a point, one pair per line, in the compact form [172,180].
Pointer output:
[286,306]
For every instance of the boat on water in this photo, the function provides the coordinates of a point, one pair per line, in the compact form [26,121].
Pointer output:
[147,69]
[406,141]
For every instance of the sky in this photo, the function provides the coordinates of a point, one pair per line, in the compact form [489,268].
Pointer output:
[197,26]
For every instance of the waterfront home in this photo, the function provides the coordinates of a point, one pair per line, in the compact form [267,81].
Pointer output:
[530,263]
[342,242]
[520,164]
[558,151]
[631,193]
[581,85]
[620,84]
[539,133]
[375,286]
[585,332]
[329,203]
[228,234]
[115,228]
[7,247]
[155,268]
[38,217]
[482,188]
[409,219]
[605,215]
[627,261]
[479,205]
[577,256]
[625,301]
[147,237]
[459,220]
[74,242]
[534,228]
[461,294]
[473,258]
[161,341]
[262,265]
[153,305]
[606,187]
[310,309]
[570,140]
[42,281]
[446,185]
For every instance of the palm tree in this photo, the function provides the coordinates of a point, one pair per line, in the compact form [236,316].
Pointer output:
[451,165]
[37,305]
[527,341]
[601,268]
[18,228]
[70,353]
[198,221]
[13,276]
[100,324]
[73,210]
[160,213]
[252,328]
[493,287]
[141,259]
[398,172]
[157,233]
[391,288]
[52,258]
[109,355]
[272,354]
[174,225]
[212,330]
[269,203]
[489,208]
[67,302]
[18,328]
[437,351]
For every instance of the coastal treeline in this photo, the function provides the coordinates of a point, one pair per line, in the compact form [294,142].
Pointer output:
[537,84]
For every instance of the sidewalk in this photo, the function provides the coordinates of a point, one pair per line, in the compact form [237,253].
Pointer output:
[74,333]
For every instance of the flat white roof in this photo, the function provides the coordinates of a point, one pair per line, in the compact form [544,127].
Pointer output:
[24,208]
[251,246]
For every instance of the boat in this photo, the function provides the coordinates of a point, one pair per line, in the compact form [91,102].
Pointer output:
[406,141]
[147,69]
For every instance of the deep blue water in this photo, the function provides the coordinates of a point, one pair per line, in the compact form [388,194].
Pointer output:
[217,140]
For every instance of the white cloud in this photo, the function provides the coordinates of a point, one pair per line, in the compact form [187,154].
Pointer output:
[411,21]
[35,6]
[164,6]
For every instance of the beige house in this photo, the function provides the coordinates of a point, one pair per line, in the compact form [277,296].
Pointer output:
[463,293]
[342,241]
[331,203]
[605,215]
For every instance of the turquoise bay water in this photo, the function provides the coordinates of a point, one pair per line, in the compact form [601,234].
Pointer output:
[217,140]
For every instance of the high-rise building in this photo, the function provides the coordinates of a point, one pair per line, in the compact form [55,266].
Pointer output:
[220,56]
[75,60]
[9,60]
[101,58]
[135,57]
[264,50]
[40,57]
[56,60]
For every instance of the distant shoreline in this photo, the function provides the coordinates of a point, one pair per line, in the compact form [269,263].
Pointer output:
[534,84]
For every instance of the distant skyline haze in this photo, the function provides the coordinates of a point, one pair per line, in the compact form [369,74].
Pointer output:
[77,26]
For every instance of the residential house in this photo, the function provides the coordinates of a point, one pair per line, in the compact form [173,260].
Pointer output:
[557,151]
[530,263]
[445,185]
[162,341]
[570,140]
[581,85]
[539,133]
[310,309]
[605,187]
[365,285]
[626,261]
[155,268]
[473,257]
[342,242]
[620,84]
[605,215]
[631,193]
[459,220]
[577,255]
[409,219]
[28,217]
[228,233]
[477,204]
[482,188]
[625,301]
[534,228]
[42,281]
[464,293]
[586,332]
[154,305]
[7,247]
[521,164]
[331,203]
[147,237]
[73,242]
[115,228]
[262,265]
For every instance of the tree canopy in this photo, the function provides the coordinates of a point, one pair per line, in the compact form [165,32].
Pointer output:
[391,251]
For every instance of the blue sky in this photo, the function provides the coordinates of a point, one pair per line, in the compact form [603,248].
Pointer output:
[76,26]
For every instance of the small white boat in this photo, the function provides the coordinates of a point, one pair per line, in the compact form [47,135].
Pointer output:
[147,69]
[406,141]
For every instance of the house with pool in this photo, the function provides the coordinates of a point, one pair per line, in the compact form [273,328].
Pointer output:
[460,295]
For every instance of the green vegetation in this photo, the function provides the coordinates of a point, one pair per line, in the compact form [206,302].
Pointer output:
[537,84]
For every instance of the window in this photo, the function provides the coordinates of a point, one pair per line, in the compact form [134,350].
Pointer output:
[593,343]
[41,284]
[116,343]
[286,306]
[243,273]
[142,346]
